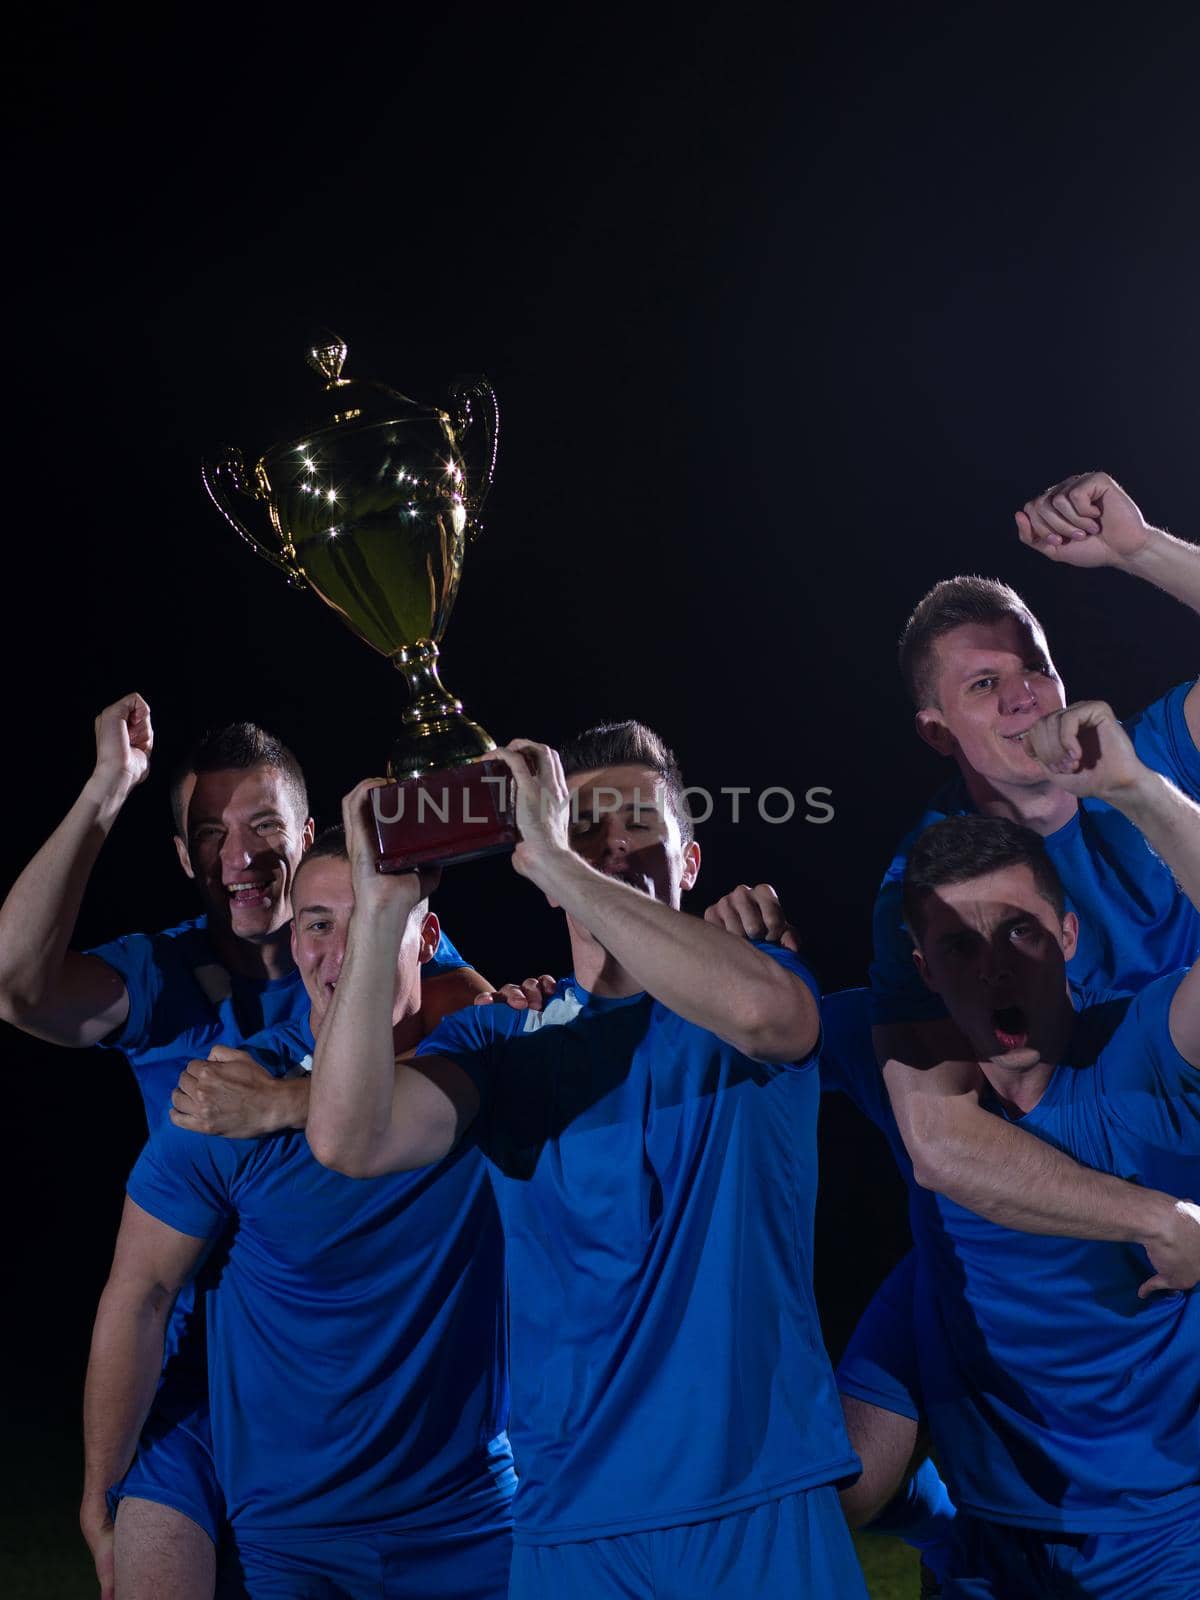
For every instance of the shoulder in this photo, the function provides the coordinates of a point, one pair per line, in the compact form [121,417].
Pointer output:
[951,800]
[476,1028]
[1144,1019]
[1163,740]
[791,963]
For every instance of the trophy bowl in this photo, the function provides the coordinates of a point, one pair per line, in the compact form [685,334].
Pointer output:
[371,507]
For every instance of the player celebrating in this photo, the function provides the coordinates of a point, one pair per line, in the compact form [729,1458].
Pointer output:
[651,1136]
[240,810]
[356,1340]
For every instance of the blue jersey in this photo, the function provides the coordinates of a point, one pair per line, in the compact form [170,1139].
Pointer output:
[1134,925]
[1056,1398]
[656,1188]
[356,1330]
[182,1001]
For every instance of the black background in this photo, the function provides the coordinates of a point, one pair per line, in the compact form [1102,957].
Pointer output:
[787,311]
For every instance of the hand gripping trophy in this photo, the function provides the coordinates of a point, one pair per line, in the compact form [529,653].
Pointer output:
[371,508]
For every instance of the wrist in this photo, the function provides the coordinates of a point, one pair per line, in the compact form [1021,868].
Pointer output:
[1146,560]
[106,791]
[1158,1220]
[1141,797]
[544,862]
[293,1102]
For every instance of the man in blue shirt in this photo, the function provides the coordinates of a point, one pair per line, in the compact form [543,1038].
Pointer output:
[356,1338]
[651,1139]
[979,671]
[1062,1393]
[241,825]
[978,668]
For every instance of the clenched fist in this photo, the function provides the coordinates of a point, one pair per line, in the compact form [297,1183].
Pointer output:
[1085,521]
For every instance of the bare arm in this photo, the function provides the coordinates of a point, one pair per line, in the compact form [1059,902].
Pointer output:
[150,1264]
[369,1113]
[696,968]
[47,989]
[1090,521]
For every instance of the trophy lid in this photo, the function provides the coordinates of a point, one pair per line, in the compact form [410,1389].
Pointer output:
[351,402]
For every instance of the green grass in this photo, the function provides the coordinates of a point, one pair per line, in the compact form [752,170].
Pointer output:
[43,1556]
[891,1567]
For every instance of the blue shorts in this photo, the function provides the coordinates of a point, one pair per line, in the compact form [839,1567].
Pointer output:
[455,1563]
[880,1363]
[781,1550]
[174,1467]
[993,1562]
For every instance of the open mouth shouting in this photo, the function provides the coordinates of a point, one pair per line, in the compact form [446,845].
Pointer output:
[1010,1026]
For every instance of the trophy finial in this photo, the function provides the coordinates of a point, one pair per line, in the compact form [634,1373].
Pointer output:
[328,358]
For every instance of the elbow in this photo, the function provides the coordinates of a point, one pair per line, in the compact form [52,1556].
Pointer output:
[338,1154]
[780,1024]
[924,1137]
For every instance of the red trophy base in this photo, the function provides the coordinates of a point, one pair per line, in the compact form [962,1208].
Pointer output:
[456,814]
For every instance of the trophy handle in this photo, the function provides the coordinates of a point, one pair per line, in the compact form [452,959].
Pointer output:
[475,411]
[226,473]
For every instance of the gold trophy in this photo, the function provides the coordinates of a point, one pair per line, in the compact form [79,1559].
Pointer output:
[371,508]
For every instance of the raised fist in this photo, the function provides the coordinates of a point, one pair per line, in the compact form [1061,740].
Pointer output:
[1084,521]
[124,740]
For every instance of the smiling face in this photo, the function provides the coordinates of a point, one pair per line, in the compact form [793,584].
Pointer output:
[995,950]
[622,823]
[244,840]
[324,906]
[993,681]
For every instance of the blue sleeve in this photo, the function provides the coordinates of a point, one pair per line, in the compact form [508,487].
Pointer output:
[135,958]
[184,1179]
[444,959]
[1149,1089]
[793,964]
[1164,742]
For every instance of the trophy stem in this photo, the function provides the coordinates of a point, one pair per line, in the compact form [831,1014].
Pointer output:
[434,733]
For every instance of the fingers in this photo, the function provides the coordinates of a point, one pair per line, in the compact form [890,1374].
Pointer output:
[1154,1285]
[530,995]
[354,813]
[751,913]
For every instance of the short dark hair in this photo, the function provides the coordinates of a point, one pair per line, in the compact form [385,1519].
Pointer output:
[958,849]
[949,605]
[329,845]
[629,744]
[237,747]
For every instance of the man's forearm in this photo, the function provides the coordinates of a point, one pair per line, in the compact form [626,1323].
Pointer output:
[39,914]
[693,967]
[122,1376]
[1169,564]
[1170,824]
[354,1064]
[1005,1174]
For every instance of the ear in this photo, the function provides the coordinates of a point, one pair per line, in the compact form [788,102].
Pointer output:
[934,731]
[922,967]
[431,932]
[309,833]
[185,861]
[295,953]
[1070,934]
[691,865]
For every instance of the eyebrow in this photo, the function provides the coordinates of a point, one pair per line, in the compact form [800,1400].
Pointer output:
[258,816]
[305,911]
